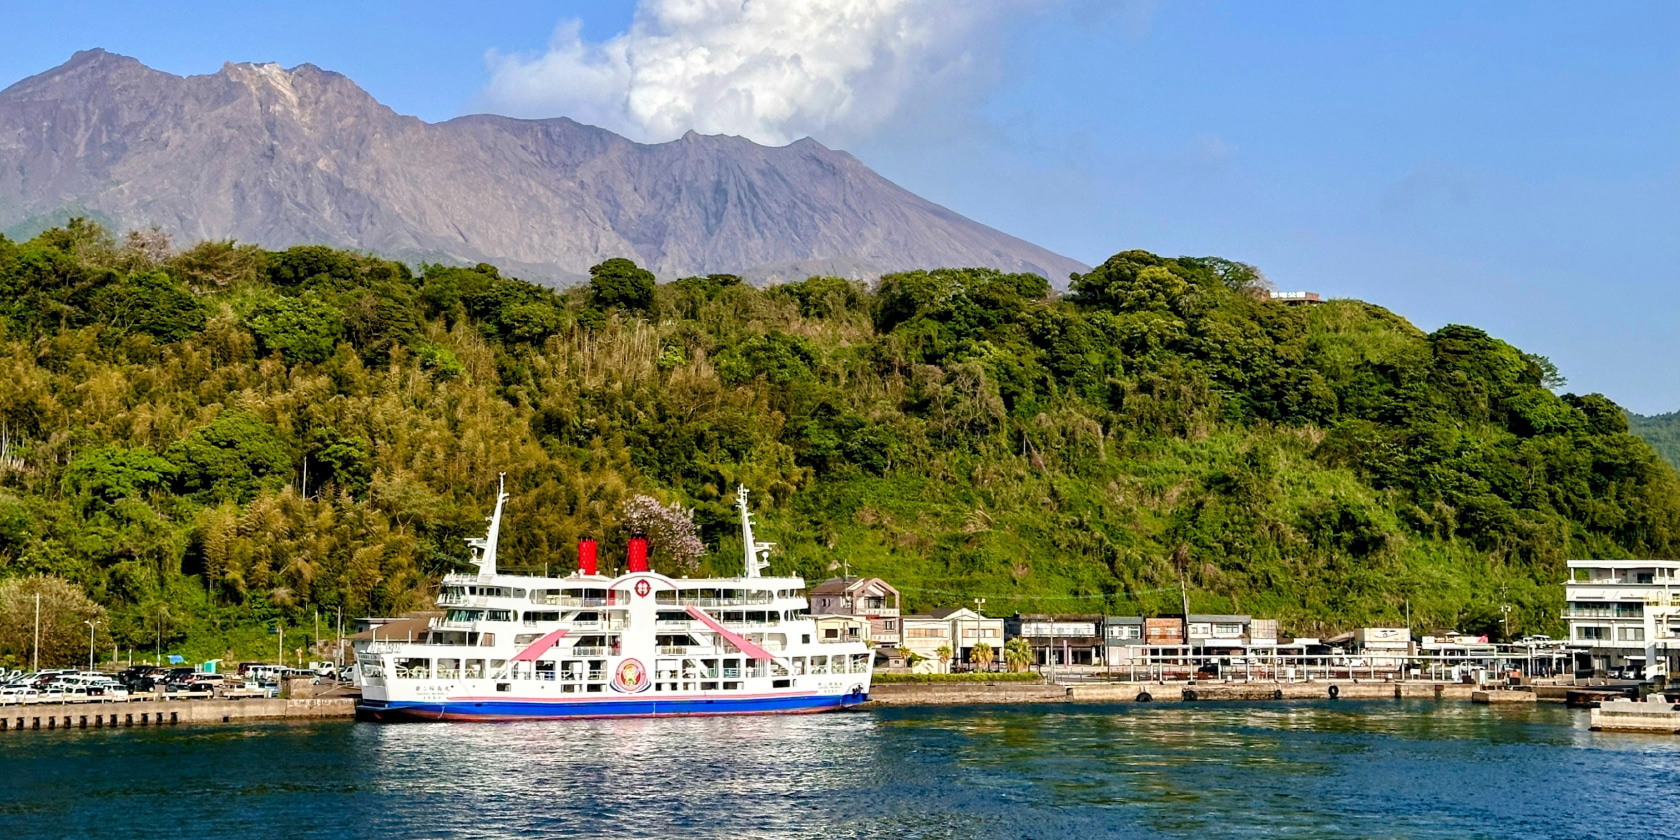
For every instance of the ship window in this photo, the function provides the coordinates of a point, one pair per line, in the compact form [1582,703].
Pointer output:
[730,686]
[537,617]
[504,686]
[781,683]
[449,669]
[545,671]
[464,615]
[665,596]
[819,664]
[708,686]
[500,615]
[413,669]
[473,670]
[498,667]
[798,665]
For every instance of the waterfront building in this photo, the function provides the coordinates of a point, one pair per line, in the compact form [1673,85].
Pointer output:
[1625,613]
[957,629]
[1123,640]
[1218,633]
[870,598]
[1164,630]
[1390,646]
[1060,639]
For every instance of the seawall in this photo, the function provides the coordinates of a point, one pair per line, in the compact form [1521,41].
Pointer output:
[966,694]
[42,716]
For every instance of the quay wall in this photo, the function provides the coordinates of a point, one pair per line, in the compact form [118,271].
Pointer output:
[964,694]
[43,716]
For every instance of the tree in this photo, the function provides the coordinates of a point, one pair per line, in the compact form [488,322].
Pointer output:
[303,329]
[1017,654]
[110,473]
[980,656]
[149,302]
[944,654]
[674,544]
[232,457]
[620,283]
[64,609]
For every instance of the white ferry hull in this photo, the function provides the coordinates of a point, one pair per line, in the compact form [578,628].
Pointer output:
[502,708]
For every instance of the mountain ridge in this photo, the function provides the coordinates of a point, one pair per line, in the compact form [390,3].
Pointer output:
[275,157]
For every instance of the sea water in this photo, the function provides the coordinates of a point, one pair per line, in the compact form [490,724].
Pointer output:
[1361,769]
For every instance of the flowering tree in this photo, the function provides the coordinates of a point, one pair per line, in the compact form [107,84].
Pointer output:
[674,544]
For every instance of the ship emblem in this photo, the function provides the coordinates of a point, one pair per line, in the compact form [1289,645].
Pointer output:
[631,677]
[643,588]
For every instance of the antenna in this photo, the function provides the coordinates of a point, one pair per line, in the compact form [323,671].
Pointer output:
[484,548]
[757,553]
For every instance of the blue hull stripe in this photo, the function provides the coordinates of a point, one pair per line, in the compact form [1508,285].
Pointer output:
[651,707]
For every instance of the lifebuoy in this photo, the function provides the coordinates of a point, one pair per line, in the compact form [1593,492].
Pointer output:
[1189,695]
[1277,695]
[1143,697]
[1335,691]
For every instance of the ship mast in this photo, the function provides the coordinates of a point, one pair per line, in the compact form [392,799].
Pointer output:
[757,553]
[484,548]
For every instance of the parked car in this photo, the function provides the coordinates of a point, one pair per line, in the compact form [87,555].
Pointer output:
[16,695]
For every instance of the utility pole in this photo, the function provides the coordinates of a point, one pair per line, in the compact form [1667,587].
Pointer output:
[91,624]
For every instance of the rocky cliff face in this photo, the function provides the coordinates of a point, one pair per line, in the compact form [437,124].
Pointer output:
[280,157]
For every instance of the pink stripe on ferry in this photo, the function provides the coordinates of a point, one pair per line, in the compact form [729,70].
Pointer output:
[541,646]
[746,647]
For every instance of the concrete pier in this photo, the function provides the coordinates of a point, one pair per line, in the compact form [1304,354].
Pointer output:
[1653,714]
[46,716]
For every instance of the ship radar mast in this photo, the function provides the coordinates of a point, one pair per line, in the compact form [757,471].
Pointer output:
[757,553]
[484,548]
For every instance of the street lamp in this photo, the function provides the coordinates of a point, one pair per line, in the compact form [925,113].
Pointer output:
[90,625]
[979,625]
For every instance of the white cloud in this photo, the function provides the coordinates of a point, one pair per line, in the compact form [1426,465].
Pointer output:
[770,70]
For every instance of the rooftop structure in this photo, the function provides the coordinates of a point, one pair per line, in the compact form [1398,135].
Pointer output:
[1296,297]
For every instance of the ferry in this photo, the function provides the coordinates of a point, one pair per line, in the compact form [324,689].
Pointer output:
[640,644]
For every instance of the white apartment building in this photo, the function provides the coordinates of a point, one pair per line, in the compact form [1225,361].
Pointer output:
[1625,613]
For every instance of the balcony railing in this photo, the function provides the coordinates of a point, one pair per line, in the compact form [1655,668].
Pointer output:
[1604,612]
[567,601]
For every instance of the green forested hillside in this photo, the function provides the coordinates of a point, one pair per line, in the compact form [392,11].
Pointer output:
[1662,431]
[214,441]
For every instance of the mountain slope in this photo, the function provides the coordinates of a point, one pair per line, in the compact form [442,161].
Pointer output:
[277,157]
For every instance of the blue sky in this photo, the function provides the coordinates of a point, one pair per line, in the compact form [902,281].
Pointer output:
[1515,166]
